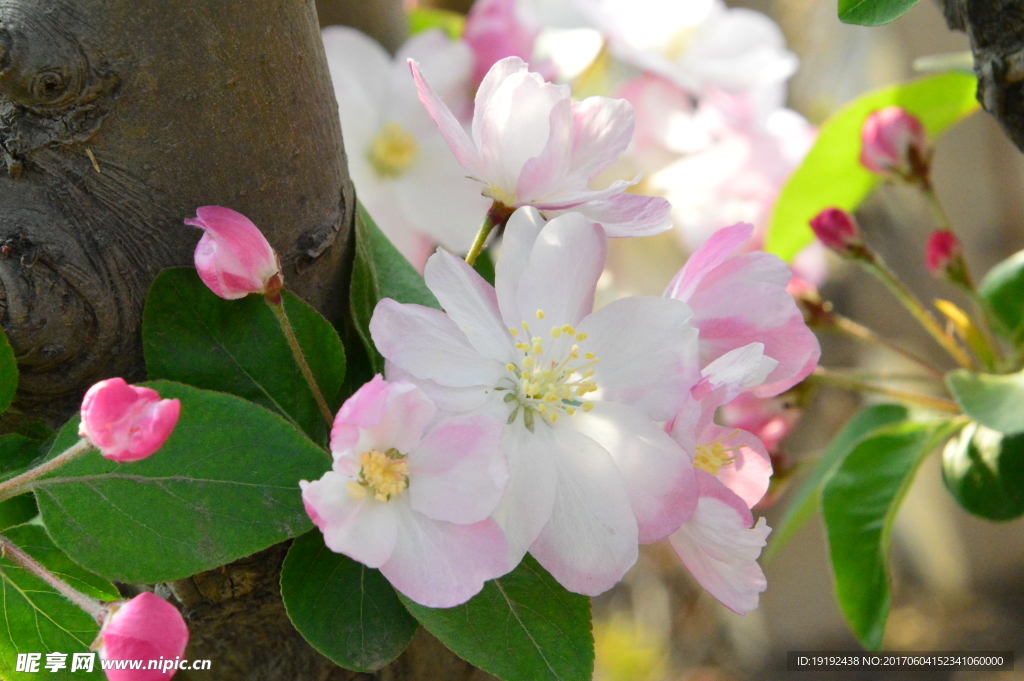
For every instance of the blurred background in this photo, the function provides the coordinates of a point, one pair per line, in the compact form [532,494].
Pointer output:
[957,579]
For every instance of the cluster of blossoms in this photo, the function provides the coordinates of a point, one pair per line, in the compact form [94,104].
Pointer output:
[700,112]
[520,419]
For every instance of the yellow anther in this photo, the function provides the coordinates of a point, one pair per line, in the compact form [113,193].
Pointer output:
[528,361]
[514,331]
[526,327]
[570,411]
[383,473]
[581,336]
[553,417]
[538,348]
[542,407]
[556,332]
[540,314]
[510,366]
[589,355]
[393,151]
[588,373]
[522,346]
[551,397]
[567,328]
[587,406]
[355,490]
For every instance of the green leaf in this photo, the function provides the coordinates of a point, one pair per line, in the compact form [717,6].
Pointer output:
[859,502]
[17,452]
[521,627]
[347,611]
[37,619]
[1003,291]
[484,266]
[8,373]
[873,12]
[808,498]
[993,400]
[224,485]
[831,174]
[192,336]
[380,271]
[427,18]
[984,471]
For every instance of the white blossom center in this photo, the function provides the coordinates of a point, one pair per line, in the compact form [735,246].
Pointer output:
[384,475]
[551,378]
[393,151]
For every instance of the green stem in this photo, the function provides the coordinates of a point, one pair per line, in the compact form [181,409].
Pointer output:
[827,377]
[481,238]
[874,264]
[22,483]
[276,304]
[98,610]
[863,333]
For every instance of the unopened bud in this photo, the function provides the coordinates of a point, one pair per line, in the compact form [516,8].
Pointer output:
[126,422]
[893,142]
[944,257]
[233,258]
[836,229]
[145,628]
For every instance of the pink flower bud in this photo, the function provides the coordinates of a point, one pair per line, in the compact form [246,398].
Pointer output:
[894,142]
[836,229]
[126,422]
[234,258]
[943,247]
[145,628]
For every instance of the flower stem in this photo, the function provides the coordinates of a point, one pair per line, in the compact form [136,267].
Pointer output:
[276,304]
[874,264]
[96,609]
[863,333]
[22,483]
[827,377]
[481,239]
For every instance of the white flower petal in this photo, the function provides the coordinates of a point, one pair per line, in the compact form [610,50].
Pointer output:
[427,344]
[530,494]
[471,303]
[363,529]
[590,541]
[657,472]
[521,232]
[647,351]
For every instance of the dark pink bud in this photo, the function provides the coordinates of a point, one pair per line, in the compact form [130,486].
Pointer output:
[943,248]
[836,229]
[894,142]
[234,258]
[126,422]
[145,628]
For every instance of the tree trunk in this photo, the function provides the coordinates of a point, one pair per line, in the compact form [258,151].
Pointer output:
[119,118]
[996,30]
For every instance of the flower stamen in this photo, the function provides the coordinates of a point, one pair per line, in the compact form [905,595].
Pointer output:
[382,474]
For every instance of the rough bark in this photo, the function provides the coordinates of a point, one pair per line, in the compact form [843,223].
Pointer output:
[117,119]
[996,31]
[383,20]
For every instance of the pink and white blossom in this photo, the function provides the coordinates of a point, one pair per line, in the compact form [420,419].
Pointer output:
[717,543]
[697,43]
[145,628]
[581,393]
[400,165]
[126,422]
[740,298]
[233,257]
[720,545]
[412,495]
[531,145]
[496,29]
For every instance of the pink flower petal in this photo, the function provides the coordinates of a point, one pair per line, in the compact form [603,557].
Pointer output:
[439,350]
[441,565]
[546,173]
[748,475]
[625,215]
[444,397]
[720,549]
[590,541]
[722,245]
[459,470]
[126,422]
[363,529]
[145,628]
[387,415]
[603,128]
[647,352]
[471,303]
[457,139]
[233,257]
[488,86]
[657,472]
